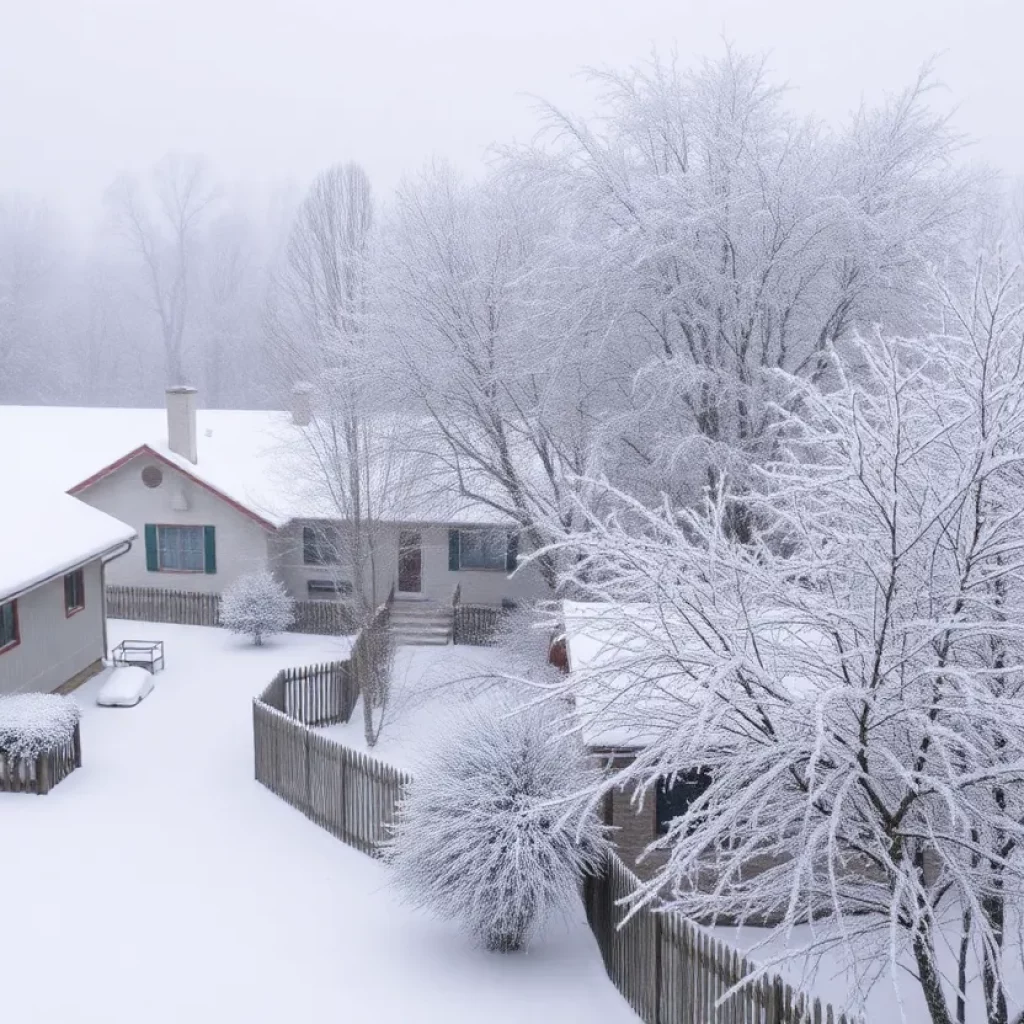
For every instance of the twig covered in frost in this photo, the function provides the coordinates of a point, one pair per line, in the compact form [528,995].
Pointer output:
[851,673]
[488,835]
[31,723]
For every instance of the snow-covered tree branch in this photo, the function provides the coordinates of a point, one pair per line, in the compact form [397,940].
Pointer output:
[850,672]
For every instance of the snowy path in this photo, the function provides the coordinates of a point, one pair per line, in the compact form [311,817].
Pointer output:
[160,883]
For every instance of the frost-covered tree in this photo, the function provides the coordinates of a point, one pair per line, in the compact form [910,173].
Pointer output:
[726,238]
[487,835]
[256,605]
[851,676]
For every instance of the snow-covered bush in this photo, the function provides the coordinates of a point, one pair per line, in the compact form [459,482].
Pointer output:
[492,833]
[31,723]
[256,604]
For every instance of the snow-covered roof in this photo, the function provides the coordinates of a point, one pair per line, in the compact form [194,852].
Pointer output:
[45,533]
[636,668]
[259,460]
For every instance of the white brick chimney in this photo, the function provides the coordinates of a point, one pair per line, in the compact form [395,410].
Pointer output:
[181,422]
[302,404]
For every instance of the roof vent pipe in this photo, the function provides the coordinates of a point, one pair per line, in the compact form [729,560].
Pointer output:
[302,404]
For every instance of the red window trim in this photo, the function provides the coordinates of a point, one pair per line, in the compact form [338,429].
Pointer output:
[17,628]
[68,612]
[178,526]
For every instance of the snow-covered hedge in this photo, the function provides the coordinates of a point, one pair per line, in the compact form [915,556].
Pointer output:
[255,605]
[491,833]
[31,723]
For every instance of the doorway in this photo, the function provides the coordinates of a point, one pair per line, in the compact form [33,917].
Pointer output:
[410,562]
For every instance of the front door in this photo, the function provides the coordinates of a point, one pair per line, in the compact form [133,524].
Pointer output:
[410,562]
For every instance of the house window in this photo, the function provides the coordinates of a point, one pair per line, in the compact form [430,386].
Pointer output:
[180,549]
[486,548]
[326,590]
[674,797]
[320,545]
[74,592]
[9,635]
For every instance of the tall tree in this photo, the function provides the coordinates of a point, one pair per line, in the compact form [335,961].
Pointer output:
[734,240]
[850,676]
[161,217]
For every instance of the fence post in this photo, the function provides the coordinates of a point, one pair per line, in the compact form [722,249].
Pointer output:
[656,924]
[76,741]
[43,773]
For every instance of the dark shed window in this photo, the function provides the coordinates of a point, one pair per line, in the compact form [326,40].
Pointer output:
[675,795]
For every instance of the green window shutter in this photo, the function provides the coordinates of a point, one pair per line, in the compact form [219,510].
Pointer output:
[210,549]
[512,552]
[152,564]
[453,550]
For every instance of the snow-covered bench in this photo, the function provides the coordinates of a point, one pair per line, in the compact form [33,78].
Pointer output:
[148,654]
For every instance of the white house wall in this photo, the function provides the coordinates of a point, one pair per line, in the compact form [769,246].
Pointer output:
[54,647]
[241,541]
[479,586]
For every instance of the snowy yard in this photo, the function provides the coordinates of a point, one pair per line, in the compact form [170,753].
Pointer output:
[426,683]
[160,883]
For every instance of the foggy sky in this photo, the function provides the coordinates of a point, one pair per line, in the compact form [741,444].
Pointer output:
[275,90]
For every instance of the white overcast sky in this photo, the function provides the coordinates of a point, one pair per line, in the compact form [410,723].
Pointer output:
[278,89]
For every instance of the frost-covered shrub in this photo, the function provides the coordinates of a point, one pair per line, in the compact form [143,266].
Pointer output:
[256,604]
[491,833]
[31,723]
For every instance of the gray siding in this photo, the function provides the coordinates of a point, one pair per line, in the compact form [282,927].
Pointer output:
[53,646]
[241,541]
[478,586]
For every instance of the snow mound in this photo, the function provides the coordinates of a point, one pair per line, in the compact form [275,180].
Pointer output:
[33,722]
[126,687]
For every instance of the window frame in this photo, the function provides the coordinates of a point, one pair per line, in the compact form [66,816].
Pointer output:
[16,641]
[496,530]
[202,547]
[313,538]
[666,797]
[74,609]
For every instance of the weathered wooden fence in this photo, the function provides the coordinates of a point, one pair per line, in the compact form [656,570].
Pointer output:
[475,624]
[189,608]
[349,794]
[672,972]
[41,773]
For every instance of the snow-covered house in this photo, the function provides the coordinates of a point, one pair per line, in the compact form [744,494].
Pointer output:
[214,494]
[55,552]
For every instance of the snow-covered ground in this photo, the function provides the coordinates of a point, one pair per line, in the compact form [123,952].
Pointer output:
[426,683]
[160,883]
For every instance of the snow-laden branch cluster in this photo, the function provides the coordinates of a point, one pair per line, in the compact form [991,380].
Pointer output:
[851,672]
[257,605]
[32,723]
[490,834]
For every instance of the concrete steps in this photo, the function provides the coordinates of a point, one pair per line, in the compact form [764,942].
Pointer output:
[421,623]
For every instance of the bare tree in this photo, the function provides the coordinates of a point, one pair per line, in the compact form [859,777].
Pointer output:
[734,239]
[161,218]
[848,680]
[500,349]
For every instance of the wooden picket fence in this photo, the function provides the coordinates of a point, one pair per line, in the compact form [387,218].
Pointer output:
[41,773]
[351,795]
[190,608]
[475,624]
[673,972]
